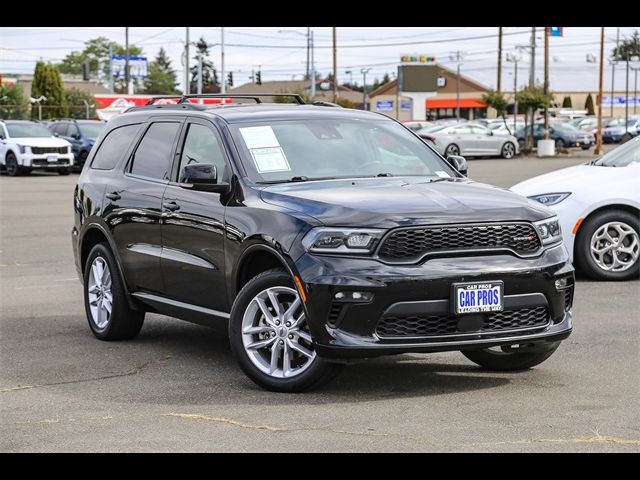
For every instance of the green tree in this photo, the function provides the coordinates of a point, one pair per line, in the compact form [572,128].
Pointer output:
[385,79]
[629,47]
[532,99]
[162,78]
[13,103]
[498,102]
[209,74]
[75,99]
[566,102]
[588,105]
[47,82]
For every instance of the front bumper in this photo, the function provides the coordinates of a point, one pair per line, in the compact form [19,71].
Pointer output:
[415,292]
[29,160]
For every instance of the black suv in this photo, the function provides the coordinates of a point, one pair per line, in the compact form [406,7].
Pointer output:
[321,234]
[81,134]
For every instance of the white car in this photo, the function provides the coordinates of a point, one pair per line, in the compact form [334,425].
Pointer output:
[469,139]
[598,205]
[26,145]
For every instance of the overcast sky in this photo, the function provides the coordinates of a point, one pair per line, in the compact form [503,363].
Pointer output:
[281,55]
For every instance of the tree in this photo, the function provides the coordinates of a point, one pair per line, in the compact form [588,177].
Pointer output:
[531,99]
[588,105]
[96,52]
[13,103]
[47,82]
[629,47]
[162,78]
[75,99]
[566,102]
[209,74]
[498,102]
[385,79]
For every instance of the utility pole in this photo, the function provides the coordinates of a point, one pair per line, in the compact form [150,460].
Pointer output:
[598,149]
[223,88]
[457,57]
[364,72]
[515,58]
[126,57]
[199,91]
[335,67]
[110,69]
[313,69]
[626,99]
[613,71]
[546,80]
[308,76]
[532,72]
[499,82]
[635,87]
[187,80]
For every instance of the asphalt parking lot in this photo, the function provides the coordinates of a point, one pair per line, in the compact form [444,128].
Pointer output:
[176,387]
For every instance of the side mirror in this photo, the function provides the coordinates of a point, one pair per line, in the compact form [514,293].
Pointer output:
[75,136]
[459,163]
[56,134]
[202,177]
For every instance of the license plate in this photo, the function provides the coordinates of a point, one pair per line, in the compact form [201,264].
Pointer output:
[52,158]
[478,297]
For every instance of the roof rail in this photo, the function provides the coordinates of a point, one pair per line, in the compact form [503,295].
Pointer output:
[326,104]
[248,96]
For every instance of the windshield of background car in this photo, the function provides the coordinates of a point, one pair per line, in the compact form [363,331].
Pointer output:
[17,130]
[334,148]
[622,156]
[566,127]
[92,130]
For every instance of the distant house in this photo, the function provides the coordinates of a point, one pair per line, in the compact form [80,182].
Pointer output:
[324,90]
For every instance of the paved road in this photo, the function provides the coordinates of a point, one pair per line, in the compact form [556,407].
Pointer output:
[176,387]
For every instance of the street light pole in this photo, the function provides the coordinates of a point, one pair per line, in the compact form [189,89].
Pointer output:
[626,99]
[546,81]
[187,80]
[335,67]
[598,149]
[126,58]
[308,76]
[313,69]
[110,69]
[223,88]
[613,71]
[513,57]
[458,58]
[364,72]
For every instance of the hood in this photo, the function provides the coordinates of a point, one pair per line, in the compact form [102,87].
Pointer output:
[40,141]
[567,180]
[392,202]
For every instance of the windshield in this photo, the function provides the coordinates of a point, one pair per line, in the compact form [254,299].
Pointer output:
[27,129]
[92,130]
[619,122]
[565,127]
[622,156]
[334,148]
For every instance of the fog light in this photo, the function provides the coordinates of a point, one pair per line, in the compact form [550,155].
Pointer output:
[355,297]
[561,283]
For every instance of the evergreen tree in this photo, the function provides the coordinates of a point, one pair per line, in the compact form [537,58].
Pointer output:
[588,105]
[385,79]
[566,102]
[162,78]
[47,82]
[629,47]
[209,74]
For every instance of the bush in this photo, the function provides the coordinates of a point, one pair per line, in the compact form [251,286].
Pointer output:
[13,104]
[77,108]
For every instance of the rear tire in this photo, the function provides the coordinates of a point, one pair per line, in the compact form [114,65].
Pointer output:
[509,361]
[272,343]
[105,299]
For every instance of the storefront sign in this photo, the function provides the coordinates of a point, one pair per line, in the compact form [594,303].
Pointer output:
[423,59]
[384,105]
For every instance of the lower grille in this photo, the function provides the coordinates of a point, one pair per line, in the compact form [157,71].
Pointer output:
[334,314]
[568,298]
[437,325]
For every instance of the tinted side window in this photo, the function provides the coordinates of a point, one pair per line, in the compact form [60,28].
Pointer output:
[152,158]
[202,146]
[73,130]
[60,129]
[113,147]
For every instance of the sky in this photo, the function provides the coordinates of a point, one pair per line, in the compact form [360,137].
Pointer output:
[280,52]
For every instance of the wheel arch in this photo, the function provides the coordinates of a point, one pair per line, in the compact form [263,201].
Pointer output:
[254,260]
[625,207]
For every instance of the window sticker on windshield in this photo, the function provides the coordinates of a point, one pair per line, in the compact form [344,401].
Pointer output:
[271,159]
[442,174]
[259,137]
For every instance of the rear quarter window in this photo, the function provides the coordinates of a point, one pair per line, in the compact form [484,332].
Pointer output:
[114,145]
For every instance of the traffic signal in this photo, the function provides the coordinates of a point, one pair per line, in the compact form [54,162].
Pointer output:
[230,79]
[259,77]
[85,70]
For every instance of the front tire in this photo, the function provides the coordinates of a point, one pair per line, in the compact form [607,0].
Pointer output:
[507,359]
[608,246]
[452,150]
[270,339]
[12,167]
[508,150]
[108,313]
[559,144]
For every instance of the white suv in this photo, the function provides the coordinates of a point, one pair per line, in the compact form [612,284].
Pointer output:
[26,145]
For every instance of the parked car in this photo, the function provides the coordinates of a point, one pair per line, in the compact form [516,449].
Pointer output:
[81,134]
[499,128]
[599,208]
[417,125]
[27,145]
[471,140]
[590,124]
[565,135]
[616,131]
[320,234]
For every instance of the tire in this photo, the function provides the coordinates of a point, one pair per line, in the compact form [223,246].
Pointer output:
[121,322]
[12,167]
[64,171]
[81,159]
[308,370]
[626,137]
[503,360]
[585,147]
[452,149]
[601,231]
[508,150]
[559,144]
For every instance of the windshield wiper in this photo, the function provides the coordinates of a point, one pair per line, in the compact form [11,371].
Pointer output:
[442,179]
[384,175]
[300,178]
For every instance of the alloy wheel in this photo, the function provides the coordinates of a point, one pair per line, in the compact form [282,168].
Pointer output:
[508,150]
[452,150]
[275,334]
[100,293]
[615,247]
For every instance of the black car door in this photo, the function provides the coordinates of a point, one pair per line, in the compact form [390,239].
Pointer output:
[193,224]
[133,204]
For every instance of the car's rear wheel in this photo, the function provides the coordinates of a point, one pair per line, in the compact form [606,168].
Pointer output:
[452,150]
[106,306]
[608,246]
[12,167]
[508,150]
[512,358]
[270,337]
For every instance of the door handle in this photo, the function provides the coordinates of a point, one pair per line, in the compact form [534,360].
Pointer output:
[113,196]
[172,206]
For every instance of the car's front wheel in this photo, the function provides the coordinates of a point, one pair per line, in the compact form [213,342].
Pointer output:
[11,164]
[270,337]
[510,358]
[559,144]
[452,150]
[508,150]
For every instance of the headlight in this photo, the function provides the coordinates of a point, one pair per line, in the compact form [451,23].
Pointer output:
[22,148]
[550,198]
[341,240]
[549,230]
